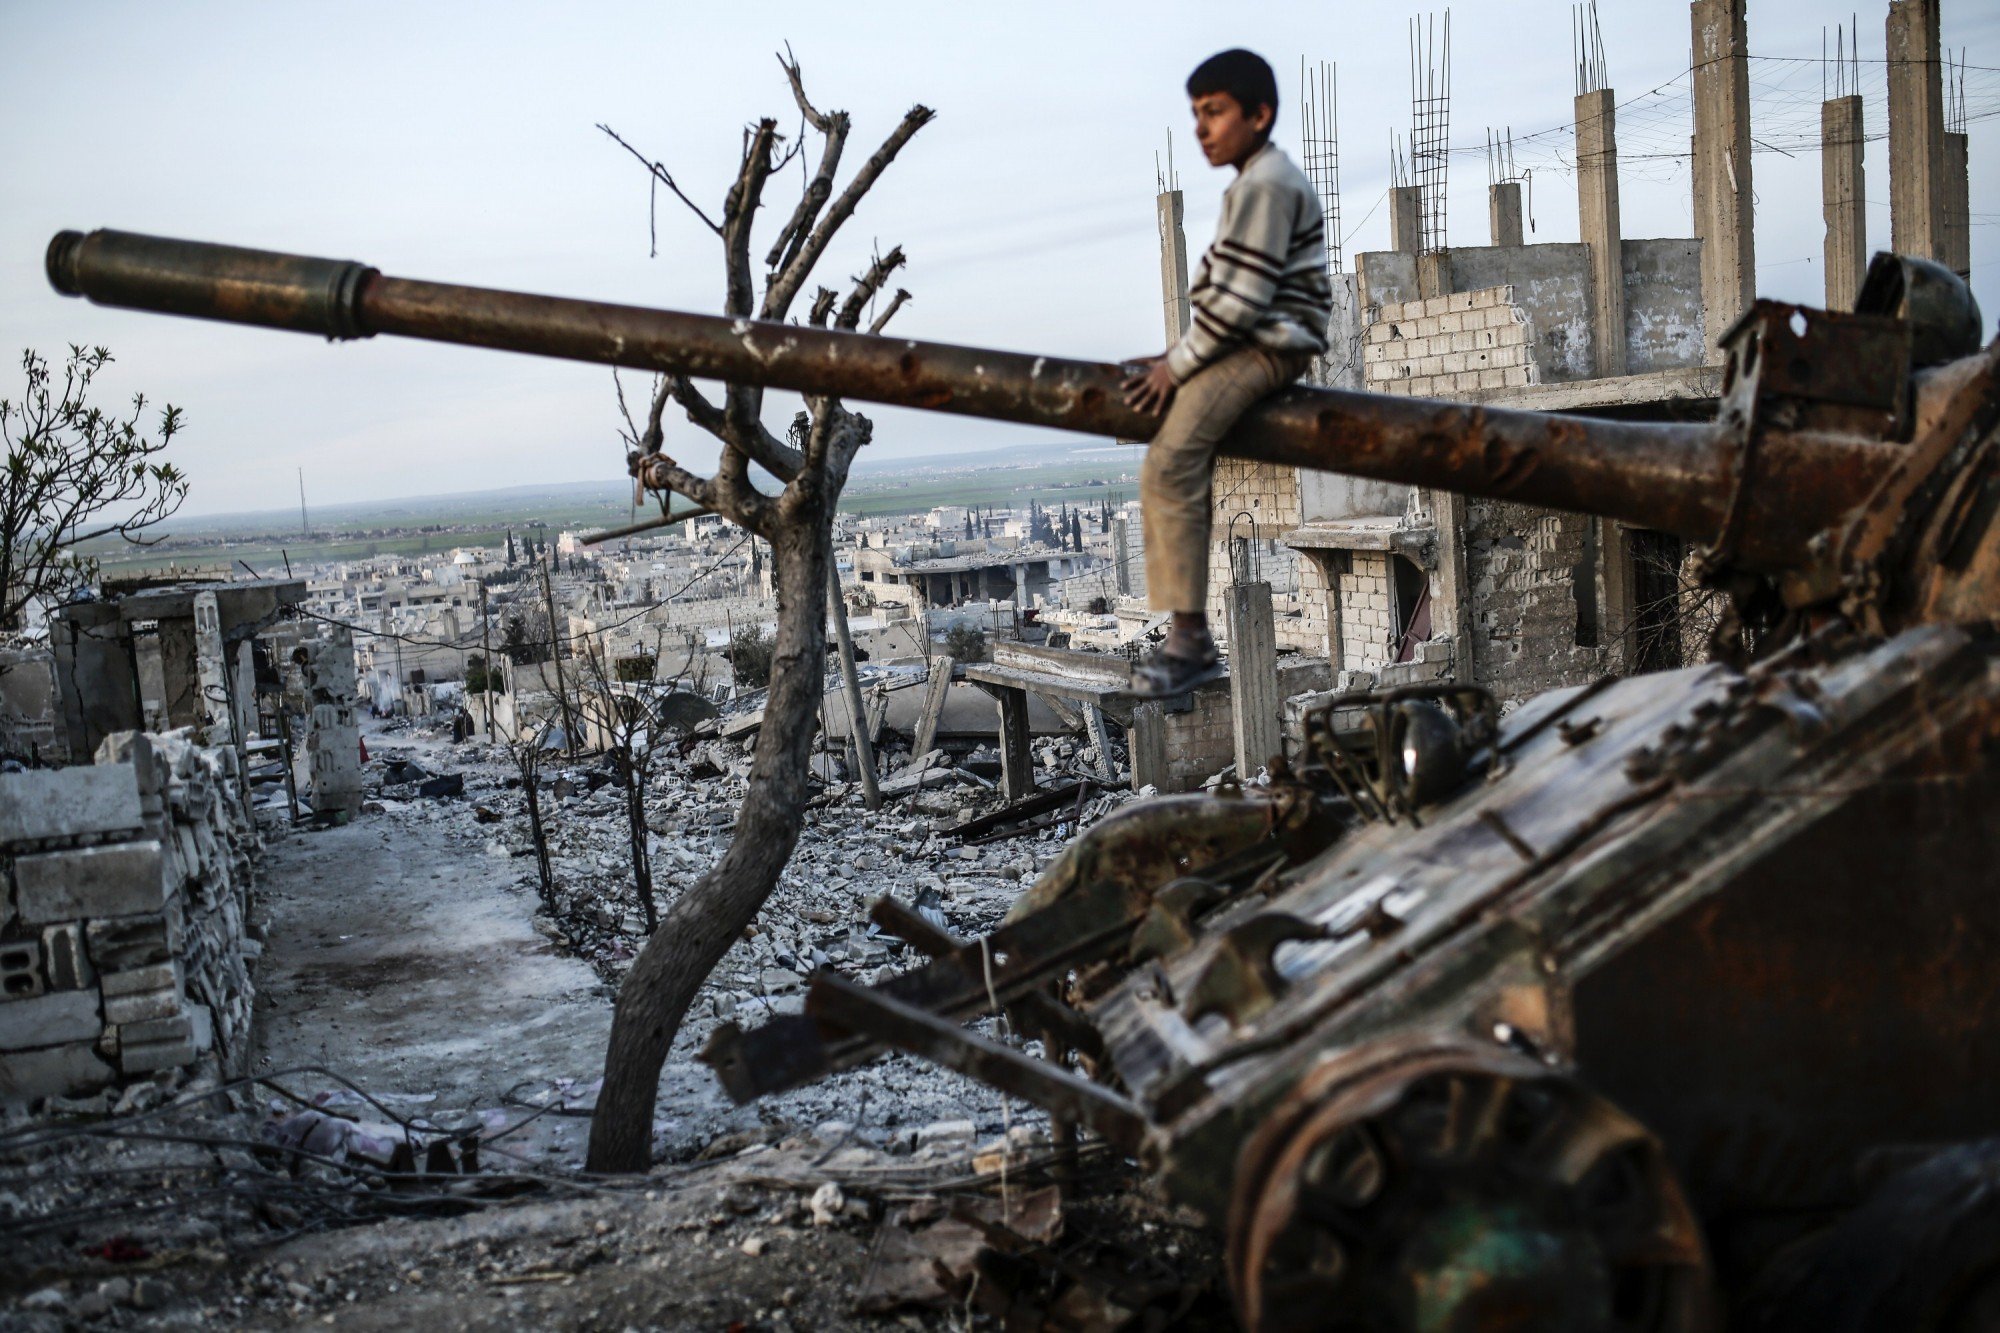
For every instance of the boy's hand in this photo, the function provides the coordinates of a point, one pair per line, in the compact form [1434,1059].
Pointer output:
[1152,389]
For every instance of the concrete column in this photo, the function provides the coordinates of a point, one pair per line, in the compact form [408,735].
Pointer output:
[1597,215]
[1722,187]
[1254,705]
[1916,130]
[180,684]
[1503,211]
[1121,553]
[211,664]
[1405,216]
[1146,745]
[96,688]
[1434,274]
[1450,603]
[1957,205]
[1617,595]
[934,698]
[1093,725]
[1017,761]
[1173,265]
[333,738]
[1843,192]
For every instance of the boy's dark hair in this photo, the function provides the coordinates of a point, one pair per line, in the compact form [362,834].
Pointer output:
[1244,75]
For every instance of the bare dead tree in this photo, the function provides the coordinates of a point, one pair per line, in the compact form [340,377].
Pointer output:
[526,751]
[811,463]
[622,713]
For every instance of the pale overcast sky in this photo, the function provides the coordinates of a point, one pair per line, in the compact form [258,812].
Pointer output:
[455,142]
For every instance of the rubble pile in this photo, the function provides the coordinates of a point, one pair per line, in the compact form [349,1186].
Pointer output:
[123,944]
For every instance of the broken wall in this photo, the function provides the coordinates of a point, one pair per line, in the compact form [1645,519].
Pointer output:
[122,932]
[1551,285]
[1533,599]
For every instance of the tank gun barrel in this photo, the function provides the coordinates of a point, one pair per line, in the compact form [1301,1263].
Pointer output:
[1677,478]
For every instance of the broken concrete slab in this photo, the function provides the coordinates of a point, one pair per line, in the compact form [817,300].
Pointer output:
[54,1071]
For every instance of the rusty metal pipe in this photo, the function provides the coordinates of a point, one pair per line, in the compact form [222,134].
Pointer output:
[1673,477]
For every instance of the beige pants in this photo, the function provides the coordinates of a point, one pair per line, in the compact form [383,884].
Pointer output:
[1176,482]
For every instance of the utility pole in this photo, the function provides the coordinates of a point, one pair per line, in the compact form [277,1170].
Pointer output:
[555,652]
[486,659]
[857,715]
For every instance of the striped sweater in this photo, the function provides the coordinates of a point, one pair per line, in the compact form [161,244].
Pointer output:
[1264,279]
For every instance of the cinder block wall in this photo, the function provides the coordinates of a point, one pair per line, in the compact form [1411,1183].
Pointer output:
[1270,495]
[1523,565]
[1445,345]
[122,946]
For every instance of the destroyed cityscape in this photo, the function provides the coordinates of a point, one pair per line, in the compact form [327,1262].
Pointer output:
[767,895]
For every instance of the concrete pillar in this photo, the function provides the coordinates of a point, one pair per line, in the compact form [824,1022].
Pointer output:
[180,692]
[1017,760]
[1121,553]
[1451,611]
[1843,194]
[1093,725]
[96,687]
[1957,205]
[1597,216]
[333,738]
[1916,130]
[1254,705]
[1146,745]
[1503,212]
[1434,274]
[211,664]
[1722,186]
[1173,264]
[934,698]
[1405,215]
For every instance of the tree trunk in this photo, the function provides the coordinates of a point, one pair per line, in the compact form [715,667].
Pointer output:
[709,917]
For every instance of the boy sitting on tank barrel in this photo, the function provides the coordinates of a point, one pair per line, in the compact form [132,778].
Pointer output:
[1259,303]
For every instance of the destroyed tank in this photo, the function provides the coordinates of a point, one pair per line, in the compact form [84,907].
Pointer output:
[1660,1003]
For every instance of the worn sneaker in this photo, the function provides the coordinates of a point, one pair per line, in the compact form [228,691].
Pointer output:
[1165,675]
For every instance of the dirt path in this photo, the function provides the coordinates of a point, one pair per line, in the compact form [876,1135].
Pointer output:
[401,956]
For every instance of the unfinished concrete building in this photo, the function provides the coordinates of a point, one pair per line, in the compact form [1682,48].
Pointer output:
[1394,584]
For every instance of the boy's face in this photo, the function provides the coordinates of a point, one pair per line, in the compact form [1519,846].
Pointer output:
[1228,136]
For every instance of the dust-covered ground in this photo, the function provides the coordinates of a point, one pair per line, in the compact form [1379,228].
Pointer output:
[416,985]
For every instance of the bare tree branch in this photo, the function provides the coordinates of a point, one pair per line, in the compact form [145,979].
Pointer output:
[783,288]
[834,127]
[866,286]
[896,302]
[660,174]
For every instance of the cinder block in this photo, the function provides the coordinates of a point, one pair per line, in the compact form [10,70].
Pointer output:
[133,981]
[59,1071]
[152,1055]
[117,879]
[174,1027]
[50,1020]
[142,1007]
[20,970]
[121,943]
[68,803]
[65,964]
